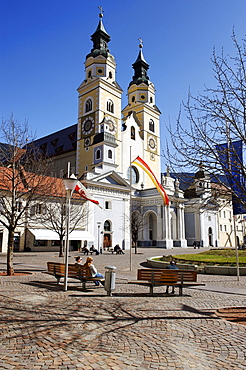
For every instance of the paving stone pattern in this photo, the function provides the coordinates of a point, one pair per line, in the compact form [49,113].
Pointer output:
[43,327]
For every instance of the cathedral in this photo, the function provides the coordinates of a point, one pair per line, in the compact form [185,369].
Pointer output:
[102,146]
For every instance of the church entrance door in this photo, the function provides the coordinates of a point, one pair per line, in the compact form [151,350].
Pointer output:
[107,242]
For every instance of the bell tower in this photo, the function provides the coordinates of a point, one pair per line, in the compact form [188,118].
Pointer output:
[99,108]
[141,104]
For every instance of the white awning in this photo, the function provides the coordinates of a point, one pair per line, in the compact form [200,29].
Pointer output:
[81,235]
[46,234]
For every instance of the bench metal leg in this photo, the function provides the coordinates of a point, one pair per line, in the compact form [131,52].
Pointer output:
[58,279]
[151,290]
[180,290]
[83,285]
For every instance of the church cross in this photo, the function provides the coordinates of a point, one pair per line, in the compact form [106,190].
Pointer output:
[140,42]
[101,11]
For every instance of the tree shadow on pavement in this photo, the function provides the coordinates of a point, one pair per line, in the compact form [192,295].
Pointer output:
[52,286]
[197,311]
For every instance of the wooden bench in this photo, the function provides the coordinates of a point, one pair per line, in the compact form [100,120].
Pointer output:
[159,277]
[78,272]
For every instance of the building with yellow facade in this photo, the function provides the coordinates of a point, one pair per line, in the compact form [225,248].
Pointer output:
[108,139]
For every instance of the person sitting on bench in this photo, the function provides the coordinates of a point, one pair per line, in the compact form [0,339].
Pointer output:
[78,261]
[85,250]
[171,266]
[92,270]
[118,249]
[93,250]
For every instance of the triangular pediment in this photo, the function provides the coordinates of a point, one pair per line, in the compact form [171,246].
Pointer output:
[111,177]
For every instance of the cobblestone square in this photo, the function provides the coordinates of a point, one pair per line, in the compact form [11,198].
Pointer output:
[43,327]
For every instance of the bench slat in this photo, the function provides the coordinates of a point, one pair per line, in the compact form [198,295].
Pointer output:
[149,283]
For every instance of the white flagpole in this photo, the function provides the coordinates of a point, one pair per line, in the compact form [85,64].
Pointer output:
[130,216]
[67,221]
[68,197]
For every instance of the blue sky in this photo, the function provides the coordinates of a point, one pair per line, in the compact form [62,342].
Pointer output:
[43,44]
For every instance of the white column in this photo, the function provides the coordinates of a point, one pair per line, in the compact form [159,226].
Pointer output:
[181,225]
[202,236]
[167,227]
[159,224]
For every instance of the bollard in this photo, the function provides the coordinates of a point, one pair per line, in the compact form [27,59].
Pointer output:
[110,276]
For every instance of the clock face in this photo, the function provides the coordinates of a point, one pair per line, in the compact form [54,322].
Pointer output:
[87,126]
[87,141]
[152,143]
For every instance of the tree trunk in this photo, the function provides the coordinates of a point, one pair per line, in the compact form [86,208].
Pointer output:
[10,253]
[61,248]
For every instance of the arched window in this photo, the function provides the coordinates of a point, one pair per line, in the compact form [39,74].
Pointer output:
[151,125]
[98,154]
[110,154]
[110,74]
[133,133]
[107,226]
[88,105]
[135,175]
[110,106]
[133,99]
[89,74]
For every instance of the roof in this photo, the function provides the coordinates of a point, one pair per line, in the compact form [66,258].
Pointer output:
[62,141]
[100,39]
[27,182]
[8,152]
[187,178]
[140,70]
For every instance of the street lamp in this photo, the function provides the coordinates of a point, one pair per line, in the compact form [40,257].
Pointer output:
[98,236]
[69,184]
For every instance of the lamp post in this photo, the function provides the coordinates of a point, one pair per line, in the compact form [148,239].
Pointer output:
[98,236]
[69,184]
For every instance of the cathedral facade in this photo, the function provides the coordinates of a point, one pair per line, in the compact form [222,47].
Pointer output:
[107,140]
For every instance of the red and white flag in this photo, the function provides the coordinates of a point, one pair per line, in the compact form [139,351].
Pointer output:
[84,193]
[140,162]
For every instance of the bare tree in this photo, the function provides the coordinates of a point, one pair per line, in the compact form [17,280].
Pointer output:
[54,216]
[17,186]
[137,225]
[216,125]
